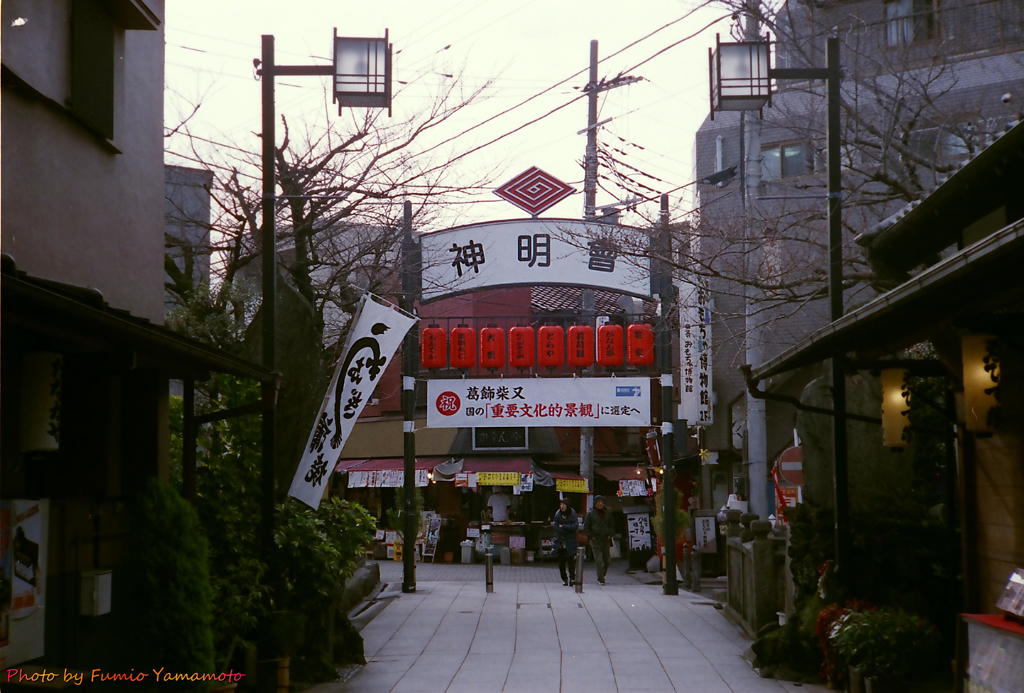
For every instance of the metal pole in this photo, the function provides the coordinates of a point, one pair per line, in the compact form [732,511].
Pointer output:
[409,406]
[835,294]
[489,567]
[188,441]
[268,306]
[578,585]
[590,161]
[666,290]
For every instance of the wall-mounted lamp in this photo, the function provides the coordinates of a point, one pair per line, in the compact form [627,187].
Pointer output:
[41,401]
[981,382]
[895,408]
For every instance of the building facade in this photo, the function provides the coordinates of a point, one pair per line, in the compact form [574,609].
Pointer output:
[923,85]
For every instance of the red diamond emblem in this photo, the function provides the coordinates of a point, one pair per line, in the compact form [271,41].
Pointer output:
[533,191]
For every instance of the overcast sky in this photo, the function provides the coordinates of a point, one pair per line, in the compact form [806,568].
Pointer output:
[524,47]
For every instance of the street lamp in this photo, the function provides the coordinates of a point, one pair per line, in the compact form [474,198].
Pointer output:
[741,76]
[362,72]
[362,78]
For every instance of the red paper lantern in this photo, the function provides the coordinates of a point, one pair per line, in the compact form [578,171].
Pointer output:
[520,346]
[609,345]
[640,345]
[432,347]
[581,346]
[463,347]
[492,347]
[551,347]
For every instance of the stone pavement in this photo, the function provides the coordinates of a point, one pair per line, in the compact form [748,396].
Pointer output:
[535,635]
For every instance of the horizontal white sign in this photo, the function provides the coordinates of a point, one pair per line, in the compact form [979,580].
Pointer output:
[539,402]
[535,251]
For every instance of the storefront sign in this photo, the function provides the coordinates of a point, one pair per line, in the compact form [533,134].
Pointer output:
[384,478]
[695,404]
[498,478]
[634,487]
[704,532]
[376,334]
[526,481]
[534,251]
[571,485]
[538,402]
[638,526]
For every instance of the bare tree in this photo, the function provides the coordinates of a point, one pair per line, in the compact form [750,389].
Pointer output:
[339,203]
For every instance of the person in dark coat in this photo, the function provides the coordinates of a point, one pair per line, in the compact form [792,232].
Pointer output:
[566,524]
[600,528]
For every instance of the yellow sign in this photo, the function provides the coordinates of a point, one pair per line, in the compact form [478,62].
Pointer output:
[571,485]
[498,479]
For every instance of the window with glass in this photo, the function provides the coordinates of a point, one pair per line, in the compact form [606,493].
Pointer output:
[785,161]
[907,21]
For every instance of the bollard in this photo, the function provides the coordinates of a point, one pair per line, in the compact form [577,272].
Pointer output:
[685,566]
[580,551]
[696,572]
[489,569]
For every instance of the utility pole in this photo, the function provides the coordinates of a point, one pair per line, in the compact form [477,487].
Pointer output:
[663,350]
[593,88]
[410,282]
[757,434]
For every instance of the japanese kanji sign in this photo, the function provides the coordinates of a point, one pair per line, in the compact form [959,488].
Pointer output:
[571,485]
[638,526]
[695,355]
[534,190]
[498,478]
[534,251]
[538,402]
[376,334]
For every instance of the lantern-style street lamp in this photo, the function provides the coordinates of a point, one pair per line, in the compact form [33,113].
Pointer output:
[741,76]
[362,72]
[362,77]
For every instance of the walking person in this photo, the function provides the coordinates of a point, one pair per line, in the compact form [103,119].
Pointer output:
[599,529]
[566,523]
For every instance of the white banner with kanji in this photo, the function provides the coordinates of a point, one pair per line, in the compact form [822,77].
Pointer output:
[695,386]
[377,332]
[483,402]
[535,251]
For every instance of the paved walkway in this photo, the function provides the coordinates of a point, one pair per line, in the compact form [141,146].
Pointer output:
[536,635]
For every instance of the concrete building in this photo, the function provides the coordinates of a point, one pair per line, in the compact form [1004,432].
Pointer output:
[923,85]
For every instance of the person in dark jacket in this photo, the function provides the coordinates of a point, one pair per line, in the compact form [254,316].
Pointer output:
[566,524]
[599,528]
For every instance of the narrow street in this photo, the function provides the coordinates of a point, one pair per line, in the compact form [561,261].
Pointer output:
[534,634]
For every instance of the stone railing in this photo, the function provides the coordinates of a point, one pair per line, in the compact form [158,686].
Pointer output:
[756,570]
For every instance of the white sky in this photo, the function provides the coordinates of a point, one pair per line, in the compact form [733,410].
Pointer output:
[523,46]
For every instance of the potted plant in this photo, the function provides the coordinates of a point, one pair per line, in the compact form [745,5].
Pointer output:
[888,646]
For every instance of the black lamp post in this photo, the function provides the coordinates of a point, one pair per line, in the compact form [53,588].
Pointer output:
[741,77]
[362,79]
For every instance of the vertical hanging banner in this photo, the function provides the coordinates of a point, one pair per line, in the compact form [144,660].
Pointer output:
[695,354]
[377,332]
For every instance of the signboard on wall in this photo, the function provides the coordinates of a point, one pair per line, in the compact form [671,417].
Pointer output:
[24,527]
[535,251]
[466,403]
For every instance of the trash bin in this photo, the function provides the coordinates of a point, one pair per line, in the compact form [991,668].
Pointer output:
[467,551]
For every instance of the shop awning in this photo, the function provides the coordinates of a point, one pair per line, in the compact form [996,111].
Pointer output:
[522,465]
[383,464]
[620,473]
[345,465]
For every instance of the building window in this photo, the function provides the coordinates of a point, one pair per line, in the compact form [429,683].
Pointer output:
[907,21]
[785,161]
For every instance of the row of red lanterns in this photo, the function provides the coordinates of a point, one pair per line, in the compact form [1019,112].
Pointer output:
[614,346]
